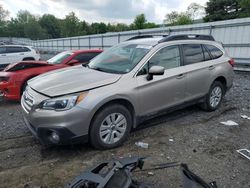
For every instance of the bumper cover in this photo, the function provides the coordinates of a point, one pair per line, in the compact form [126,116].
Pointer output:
[66,136]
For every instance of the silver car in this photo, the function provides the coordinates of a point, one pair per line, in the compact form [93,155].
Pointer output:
[125,85]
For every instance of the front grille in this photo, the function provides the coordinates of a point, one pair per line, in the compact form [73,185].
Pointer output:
[27,101]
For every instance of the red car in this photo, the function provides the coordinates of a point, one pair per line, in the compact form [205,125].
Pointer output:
[13,78]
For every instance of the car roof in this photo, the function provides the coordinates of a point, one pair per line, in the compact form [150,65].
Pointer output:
[15,45]
[156,39]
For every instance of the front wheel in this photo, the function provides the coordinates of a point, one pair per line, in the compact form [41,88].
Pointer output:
[110,127]
[214,97]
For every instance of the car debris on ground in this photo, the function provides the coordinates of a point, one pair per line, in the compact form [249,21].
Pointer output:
[117,173]
[245,117]
[244,152]
[142,145]
[229,123]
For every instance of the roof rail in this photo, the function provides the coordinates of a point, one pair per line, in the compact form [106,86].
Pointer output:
[187,37]
[145,36]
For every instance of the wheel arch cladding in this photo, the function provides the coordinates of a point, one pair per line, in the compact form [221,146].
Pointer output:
[223,80]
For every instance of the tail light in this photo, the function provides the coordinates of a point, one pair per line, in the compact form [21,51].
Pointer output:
[231,62]
[4,79]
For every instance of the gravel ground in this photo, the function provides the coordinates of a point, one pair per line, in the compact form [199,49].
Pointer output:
[208,147]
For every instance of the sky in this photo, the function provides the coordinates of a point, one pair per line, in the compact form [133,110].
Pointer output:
[113,11]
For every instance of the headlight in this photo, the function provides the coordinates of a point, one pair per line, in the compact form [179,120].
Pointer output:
[63,103]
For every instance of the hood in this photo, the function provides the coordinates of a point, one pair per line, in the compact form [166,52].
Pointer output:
[71,80]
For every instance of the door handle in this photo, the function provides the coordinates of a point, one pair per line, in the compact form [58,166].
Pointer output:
[180,76]
[21,54]
[3,54]
[211,67]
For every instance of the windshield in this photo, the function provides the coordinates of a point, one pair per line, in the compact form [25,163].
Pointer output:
[120,59]
[59,57]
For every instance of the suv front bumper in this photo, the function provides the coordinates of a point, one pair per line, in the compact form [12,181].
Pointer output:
[44,135]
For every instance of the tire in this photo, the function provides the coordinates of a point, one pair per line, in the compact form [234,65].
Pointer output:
[116,122]
[214,97]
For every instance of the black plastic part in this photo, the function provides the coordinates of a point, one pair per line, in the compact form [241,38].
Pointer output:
[117,173]
[187,37]
[191,180]
[112,174]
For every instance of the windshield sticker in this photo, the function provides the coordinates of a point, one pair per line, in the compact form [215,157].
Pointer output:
[144,46]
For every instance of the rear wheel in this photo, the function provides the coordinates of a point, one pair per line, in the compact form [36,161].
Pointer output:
[214,97]
[110,127]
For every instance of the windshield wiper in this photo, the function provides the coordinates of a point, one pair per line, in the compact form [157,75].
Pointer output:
[106,70]
[85,65]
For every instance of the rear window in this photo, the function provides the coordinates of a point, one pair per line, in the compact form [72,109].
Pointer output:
[193,53]
[206,53]
[25,49]
[215,52]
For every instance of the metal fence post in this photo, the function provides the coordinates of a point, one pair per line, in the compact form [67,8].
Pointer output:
[119,37]
[89,43]
[63,43]
[210,30]
[70,43]
[78,43]
[102,41]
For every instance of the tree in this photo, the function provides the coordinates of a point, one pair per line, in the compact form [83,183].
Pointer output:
[175,18]
[245,8]
[139,22]
[70,25]
[171,18]
[184,19]
[3,14]
[195,10]
[222,10]
[33,30]
[24,16]
[51,24]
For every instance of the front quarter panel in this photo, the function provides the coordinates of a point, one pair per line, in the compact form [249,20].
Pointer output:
[123,89]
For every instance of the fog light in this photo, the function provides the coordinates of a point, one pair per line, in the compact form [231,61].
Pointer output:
[55,137]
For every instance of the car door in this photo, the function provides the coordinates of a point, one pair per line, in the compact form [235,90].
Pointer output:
[166,90]
[197,64]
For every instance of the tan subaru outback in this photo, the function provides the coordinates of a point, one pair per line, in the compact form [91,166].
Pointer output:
[102,102]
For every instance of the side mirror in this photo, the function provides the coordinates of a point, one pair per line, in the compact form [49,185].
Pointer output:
[155,70]
[73,62]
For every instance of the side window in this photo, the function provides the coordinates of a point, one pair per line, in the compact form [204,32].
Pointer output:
[14,49]
[85,57]
[215,52]
[2,50]
[25,49]
[206,54]
[192,53]
[168,57]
